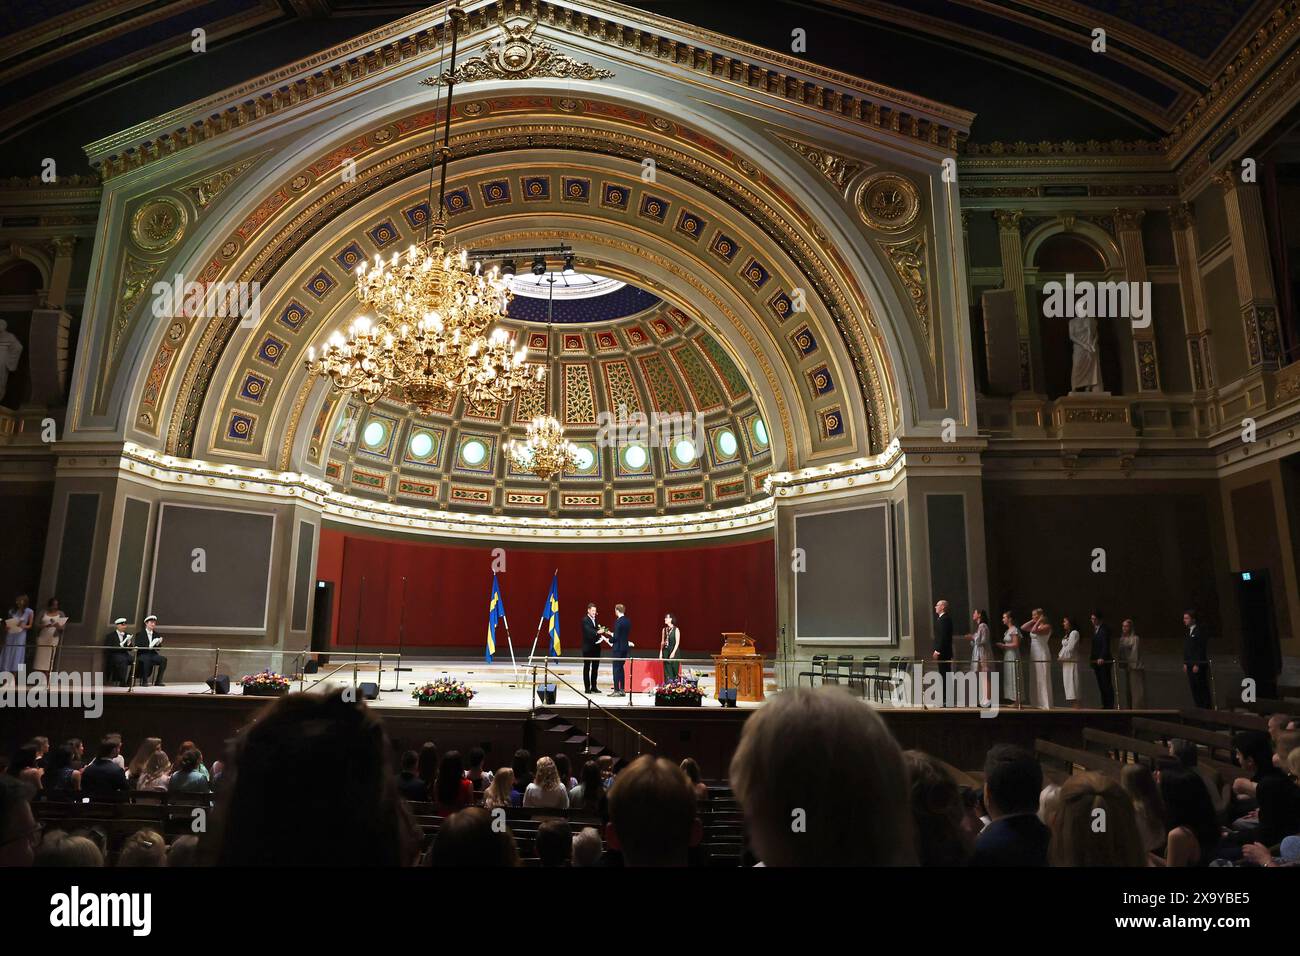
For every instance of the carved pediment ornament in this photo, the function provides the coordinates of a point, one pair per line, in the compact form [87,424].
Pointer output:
[838,169]
[908,260]
[518,55]
[888,202]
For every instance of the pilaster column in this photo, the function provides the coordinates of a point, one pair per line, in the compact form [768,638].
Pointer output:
[1197,330]
[1128,227]
[1253,268]
[1013,278]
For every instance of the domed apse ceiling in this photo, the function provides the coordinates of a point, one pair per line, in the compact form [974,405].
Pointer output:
[614,346]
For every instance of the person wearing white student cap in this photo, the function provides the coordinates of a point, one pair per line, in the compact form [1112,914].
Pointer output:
[117,659]
[152,663]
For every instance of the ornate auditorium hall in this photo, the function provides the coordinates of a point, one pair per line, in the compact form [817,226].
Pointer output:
[897,392]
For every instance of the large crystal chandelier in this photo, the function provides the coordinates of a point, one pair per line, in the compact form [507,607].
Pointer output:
[544,452]
[433,307]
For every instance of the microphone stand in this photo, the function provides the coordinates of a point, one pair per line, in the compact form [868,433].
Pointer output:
[401,638]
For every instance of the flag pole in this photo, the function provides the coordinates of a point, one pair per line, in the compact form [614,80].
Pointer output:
[542,619]
[511,644]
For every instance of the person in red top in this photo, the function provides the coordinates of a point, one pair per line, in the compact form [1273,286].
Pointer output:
[453,790]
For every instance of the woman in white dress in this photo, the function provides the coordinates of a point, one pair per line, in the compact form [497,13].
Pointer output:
[1010,647]
[981,655]
[1131,655]
[17,623]
[1069,657]
[52,622]
[1039,629]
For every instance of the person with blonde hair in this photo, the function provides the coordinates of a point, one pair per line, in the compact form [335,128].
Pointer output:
[60,849]
[497,795]
[1093,824]
[788,750]
[157,772]
[546,791]
[1140,784]
[148,747]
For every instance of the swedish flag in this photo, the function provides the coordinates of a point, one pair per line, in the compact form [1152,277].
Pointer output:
[551,617]
[496,611]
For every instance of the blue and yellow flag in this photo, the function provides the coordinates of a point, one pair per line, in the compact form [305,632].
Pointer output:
[496,612]
[551,617]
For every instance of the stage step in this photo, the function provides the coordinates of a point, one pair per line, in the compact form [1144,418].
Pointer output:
[559,728]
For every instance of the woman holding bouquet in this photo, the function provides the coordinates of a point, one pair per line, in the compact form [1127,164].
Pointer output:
[670,642]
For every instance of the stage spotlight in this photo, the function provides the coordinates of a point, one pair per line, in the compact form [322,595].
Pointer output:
[568,263]
[539,265]
[508,268]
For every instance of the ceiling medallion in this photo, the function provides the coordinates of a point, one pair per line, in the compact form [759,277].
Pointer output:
[888,202]
[518,55]
[159,224]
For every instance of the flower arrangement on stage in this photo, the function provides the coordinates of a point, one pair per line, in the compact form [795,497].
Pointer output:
[265,684]
[444,692]
[678,693]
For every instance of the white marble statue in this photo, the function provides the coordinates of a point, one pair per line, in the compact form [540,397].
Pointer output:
[10,351]
[1085,372]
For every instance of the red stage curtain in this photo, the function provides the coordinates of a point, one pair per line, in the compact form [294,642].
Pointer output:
[710,589]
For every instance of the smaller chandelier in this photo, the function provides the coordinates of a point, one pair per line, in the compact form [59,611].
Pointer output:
[361,364]
[544,452]
[494,371]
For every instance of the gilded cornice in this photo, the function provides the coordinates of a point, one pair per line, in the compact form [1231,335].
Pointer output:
[721,58]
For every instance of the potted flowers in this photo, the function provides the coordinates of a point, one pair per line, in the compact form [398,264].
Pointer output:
[444,692]
[678,693]
[265,684]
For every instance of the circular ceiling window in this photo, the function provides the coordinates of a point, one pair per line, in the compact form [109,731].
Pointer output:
[760,432]
[421,445]
[684,451]
[584,459]
[635,457]
[473,452]
[375,434]
[727,443]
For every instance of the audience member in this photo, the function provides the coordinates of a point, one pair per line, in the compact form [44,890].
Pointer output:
[938,811]
[104,777]
[26,765]
[546,790]
[467,838]
[499,794]
[20,834]
[189,775]
[63,850]
[1077,839]
[409,784]
[565,771]
[148,747]
[479,778]
[157,773]
[427,769]
[452,791]
[554,843]
[587,850]
[184,851]
[590,796]
[311,765]
[1013,782]
[652,819]
[1193,830]
[788,751]
[143,848]
[692,771]
[1140,784]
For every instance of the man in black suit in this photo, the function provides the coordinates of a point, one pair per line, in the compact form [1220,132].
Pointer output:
[104,777]
[117,658]
[591,634]
[1102,659]
[943,646]
[622,630]
[151,662]
[1196,661]
[1016,837]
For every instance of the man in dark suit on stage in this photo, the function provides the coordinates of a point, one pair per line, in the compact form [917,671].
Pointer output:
[943,646]
[622,629]
[1196,661]
[1102,659]
[590,650]
[117,656]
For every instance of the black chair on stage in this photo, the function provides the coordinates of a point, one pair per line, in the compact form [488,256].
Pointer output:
[818,669]
[839,671]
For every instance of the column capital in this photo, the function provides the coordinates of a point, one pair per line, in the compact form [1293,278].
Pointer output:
[1008,219]
[1182,215]
[1129,220]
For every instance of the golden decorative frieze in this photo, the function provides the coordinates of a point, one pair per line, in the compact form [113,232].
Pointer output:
[203,191]
[838,169]
[518,55]
[1090,147]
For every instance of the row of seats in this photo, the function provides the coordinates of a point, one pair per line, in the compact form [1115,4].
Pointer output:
[845,669]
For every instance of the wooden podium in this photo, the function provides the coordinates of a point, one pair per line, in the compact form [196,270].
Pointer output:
[739,666]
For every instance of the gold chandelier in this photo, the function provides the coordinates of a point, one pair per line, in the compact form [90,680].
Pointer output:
[544,452]
[433,308]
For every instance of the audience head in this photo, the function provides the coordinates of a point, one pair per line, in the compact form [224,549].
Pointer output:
[42,745]
[937,812]
[1140,784]
[157,764]
[692,770]
[184,851]
[1013,781]
[451,771]
[547,777]
[148,746]
[109,747]
[26,757]
[652,814]
[592,784]
[143,848]
[63,850]
[190,760]
[587,850]
[1254,750]
[789,749]
[522,765]
[1184,751]
[474,759]
[502,783]
[468,838]
[309,765]
[1078,839]
[563,768]
[410,761]
[19,832]
[428,763]
[1187,804]
[1277,723]
[554,843]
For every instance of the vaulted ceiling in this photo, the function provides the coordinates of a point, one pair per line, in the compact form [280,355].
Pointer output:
[72,71]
